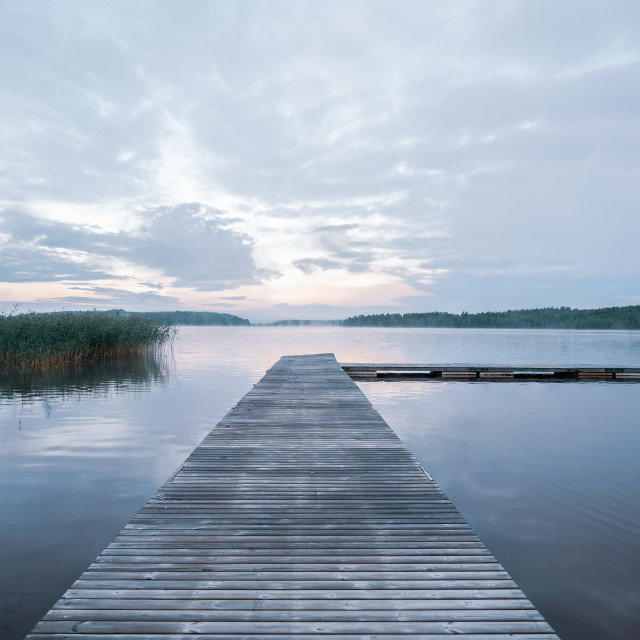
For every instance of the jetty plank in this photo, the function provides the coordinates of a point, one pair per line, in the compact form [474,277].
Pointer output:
[301,515]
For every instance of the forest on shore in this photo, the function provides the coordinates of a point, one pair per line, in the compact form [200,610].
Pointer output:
[546,318]
[197,318]
[191,318]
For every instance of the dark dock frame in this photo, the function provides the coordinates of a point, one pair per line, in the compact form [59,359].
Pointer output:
[524,373]
[301,515]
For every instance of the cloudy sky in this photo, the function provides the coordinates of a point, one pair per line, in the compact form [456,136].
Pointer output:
[305,159]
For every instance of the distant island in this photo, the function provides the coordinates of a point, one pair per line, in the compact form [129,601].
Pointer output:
[545,318]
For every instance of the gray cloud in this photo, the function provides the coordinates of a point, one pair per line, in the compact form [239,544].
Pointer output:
[308,265]
[193,244]
[190,243]
[33,249]
[42,264]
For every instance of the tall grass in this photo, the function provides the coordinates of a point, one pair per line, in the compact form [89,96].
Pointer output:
[42,341]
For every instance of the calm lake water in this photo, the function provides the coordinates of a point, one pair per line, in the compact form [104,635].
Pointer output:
[548,474]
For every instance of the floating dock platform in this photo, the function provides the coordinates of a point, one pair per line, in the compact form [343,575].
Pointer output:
[524,373]
[301,515]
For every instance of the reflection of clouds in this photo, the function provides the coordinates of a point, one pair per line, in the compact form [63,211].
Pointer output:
[410,389]
[85,439]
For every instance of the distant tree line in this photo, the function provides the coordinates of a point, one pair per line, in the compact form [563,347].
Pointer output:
[546,318]
[199,318]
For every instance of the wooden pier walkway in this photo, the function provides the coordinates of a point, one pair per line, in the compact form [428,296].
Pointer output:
[301,515]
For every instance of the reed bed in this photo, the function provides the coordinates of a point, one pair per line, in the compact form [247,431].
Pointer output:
[44,341]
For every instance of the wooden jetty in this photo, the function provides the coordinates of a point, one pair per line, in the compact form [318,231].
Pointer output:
[301,515]
[430,371]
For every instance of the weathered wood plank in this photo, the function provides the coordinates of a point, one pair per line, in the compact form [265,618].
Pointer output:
[300,515]
[167,563]
[255,582]
[293,627]
[303,615]
[378,593]
[79,635]
[124,605]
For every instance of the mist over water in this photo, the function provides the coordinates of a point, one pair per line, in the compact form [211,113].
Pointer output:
[546,473]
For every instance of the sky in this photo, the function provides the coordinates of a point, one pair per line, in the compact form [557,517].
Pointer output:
[304,159]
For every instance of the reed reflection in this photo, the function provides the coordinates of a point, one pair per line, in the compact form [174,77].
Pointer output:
[96,378]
